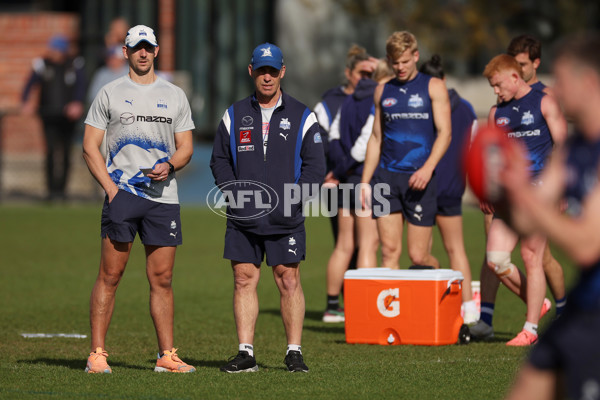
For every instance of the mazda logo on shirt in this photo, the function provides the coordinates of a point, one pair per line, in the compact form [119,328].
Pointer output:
[247,120]
[128,118]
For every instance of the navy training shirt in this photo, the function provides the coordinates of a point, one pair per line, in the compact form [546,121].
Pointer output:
[408,127]
[582,177]
[523,120]
[450,175]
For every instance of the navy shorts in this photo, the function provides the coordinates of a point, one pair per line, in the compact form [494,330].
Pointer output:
[347,193]
[419,207]
[570,348]
[158,224]
[449,206]
[246,247]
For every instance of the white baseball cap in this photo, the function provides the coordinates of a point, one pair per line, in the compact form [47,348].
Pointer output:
[138,34]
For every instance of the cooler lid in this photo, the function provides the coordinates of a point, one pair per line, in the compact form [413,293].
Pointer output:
[404,274]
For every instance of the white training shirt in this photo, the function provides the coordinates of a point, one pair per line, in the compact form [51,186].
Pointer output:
[140,122]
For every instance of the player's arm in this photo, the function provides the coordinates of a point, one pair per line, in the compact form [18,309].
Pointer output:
[92,140]
[313,166]
[577,236]
[440,106]
[184,145]
[486,207]
[221,161]
[555,120]
[373,152]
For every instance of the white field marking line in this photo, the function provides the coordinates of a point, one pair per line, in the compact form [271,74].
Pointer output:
[51,335]
[462,360]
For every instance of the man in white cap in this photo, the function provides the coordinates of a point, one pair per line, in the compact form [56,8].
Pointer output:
[242,160]
[148,128]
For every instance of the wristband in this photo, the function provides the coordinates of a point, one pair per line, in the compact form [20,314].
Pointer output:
[171,168]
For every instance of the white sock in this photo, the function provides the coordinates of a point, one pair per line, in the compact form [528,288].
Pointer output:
[247,347]
[470,306]
[531,328]
[295,347]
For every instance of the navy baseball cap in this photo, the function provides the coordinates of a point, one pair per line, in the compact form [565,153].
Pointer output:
[267,54]
[59,43]
[138,34]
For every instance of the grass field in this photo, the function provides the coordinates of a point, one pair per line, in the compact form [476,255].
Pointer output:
[49,258]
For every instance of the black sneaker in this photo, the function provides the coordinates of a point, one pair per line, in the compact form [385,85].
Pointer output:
[295,362]
[242,362]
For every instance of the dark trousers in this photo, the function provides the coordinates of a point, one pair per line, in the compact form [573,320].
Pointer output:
[59,133]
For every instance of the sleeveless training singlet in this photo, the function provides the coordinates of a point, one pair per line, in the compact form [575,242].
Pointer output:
[523,120]
[408,127]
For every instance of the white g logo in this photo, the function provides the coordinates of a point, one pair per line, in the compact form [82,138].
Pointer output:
[388,303]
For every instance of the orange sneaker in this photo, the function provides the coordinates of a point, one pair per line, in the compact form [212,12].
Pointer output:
[545,307]
[170,362]
[96,363]
[524,338]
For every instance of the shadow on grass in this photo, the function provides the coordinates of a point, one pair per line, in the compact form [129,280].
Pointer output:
[338,328]
[77,364]
[217,364]
[499,337]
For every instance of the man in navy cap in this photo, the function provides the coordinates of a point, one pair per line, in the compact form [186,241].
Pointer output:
[267,145]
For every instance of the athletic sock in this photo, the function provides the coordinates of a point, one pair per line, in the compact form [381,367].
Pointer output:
[470,306]
[531,328]
[295,347]
[333,302]
[487,313]
[247,347]
[560,305]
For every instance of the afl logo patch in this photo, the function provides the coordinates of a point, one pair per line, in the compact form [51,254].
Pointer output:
[389,102]
[127,118]
[502,121]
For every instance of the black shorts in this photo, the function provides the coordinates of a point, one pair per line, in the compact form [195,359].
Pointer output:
[570,347]
[158,224]
[247,247]
[419,207]
[449,206]
[347,193]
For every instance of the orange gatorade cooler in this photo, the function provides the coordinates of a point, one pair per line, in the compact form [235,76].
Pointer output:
[385,306]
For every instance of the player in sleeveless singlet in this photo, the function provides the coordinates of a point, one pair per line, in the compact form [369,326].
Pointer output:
[411,133]
[535,120]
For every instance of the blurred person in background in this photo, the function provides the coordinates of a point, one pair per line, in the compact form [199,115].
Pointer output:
[565,363]
[115,66]
[348,138]
[527,50]
[358,65]
[60,81]
[451,185]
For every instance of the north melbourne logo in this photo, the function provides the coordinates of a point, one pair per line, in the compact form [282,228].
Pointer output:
[415,101]
[285,124]
[266,52]
[527,118]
